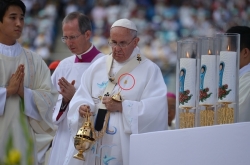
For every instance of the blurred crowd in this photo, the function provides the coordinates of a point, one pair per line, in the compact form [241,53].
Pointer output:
[160,23]
[40,28]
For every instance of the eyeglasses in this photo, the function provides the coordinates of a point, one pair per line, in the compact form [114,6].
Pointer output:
[71,38]
[121,45]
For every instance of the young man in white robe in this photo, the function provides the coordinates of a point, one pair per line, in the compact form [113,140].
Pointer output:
[26,93]
[137,81]
[244,73]
[66,78]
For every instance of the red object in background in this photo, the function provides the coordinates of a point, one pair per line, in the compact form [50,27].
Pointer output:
[54,64]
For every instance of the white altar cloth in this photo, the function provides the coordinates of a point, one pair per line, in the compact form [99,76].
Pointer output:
[227,144]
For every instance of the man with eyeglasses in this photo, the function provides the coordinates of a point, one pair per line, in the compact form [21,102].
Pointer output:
[77,31]
[125,93]
[26,93]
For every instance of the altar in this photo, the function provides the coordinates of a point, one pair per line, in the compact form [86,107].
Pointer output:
[227,144]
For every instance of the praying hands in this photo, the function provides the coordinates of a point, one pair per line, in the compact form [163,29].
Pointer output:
[67,89]
[15,85]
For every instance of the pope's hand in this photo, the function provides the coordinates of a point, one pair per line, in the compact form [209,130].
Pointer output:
[83,110]
[112,105]
[67,89]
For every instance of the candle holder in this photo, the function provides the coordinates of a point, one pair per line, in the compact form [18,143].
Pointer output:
[187,118]
[228,89]
[225,114]
[207,116]
[208,94]
[186,83]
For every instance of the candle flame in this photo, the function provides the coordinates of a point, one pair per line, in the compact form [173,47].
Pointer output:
[188,55]
[209,52]
[228,47]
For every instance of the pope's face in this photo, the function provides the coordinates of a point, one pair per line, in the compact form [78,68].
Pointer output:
[122,35]
[12,25]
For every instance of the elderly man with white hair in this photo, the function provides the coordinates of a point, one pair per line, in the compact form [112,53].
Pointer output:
[125,93]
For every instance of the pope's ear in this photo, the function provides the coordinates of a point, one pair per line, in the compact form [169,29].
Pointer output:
[137,39]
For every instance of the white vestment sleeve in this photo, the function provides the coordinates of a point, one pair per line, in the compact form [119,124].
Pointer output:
[2,100]
[30,107]
[81,97]
[74,119]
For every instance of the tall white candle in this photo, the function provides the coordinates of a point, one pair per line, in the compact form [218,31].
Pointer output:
[208,81]
[187,78]
[227,76]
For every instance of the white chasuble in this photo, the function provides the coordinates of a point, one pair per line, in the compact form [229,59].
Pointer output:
[15,124]
[70,70]
[144,110]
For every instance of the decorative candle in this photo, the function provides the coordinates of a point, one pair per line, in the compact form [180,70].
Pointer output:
[227,76]
[208,79]
[228,87]
[187,80]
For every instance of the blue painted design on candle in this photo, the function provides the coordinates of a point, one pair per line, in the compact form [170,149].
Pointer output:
[202,75]
[184,95]
[182,79]
[223,89]
[221,67]
[203,91]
